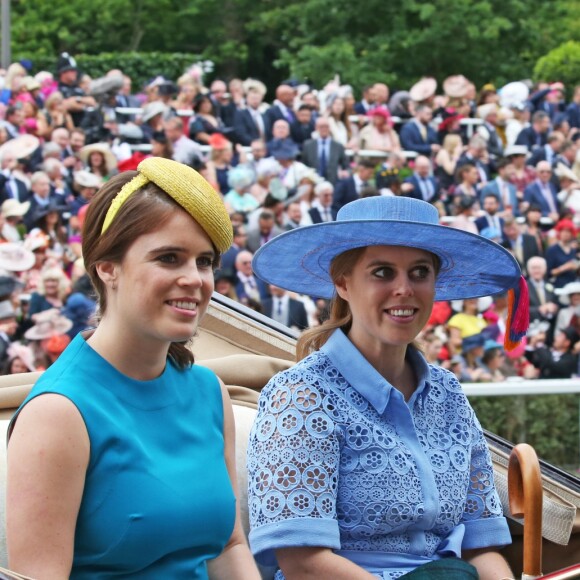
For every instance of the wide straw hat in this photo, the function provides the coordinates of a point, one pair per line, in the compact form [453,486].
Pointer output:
[104,149]
[423,89]
[456,86]
[13,208]
[21,147]
[14,257]
[48,323]
[471,266]
[564,293]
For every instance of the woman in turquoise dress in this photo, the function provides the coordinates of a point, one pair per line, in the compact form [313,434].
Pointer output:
[121,459]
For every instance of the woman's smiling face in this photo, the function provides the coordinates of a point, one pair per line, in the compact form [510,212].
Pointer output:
[390,292]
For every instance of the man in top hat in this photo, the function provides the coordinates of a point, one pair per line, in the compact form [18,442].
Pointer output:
[75,99]
[283,108]
[535,135]
[325,154]
[417,135]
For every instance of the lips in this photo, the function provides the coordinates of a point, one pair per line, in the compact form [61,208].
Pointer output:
[184,305]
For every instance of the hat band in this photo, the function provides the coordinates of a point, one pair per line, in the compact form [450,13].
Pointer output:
[126,192]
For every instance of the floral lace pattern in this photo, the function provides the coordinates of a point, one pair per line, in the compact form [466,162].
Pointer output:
[319,449]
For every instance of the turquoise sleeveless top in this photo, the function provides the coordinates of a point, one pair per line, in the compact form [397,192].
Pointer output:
[158,501]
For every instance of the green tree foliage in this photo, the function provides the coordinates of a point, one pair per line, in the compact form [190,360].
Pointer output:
[396,41]
[560,64]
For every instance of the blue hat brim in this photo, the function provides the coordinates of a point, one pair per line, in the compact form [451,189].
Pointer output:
[471,266]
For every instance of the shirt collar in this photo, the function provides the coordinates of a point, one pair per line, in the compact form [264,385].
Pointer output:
[363,377]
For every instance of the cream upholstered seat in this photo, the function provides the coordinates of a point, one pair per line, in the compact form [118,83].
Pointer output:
[245,353]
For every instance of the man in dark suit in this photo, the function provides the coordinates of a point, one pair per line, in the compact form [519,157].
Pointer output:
[475,154]
[523,246]
[285,310]
[502,188]
[417,135]
[557,362]
[301,130]
[248,286]
[490,219]
[543,300]
[264,232]
[325,154]
[548,152]
[367,102]
[249,123]
[573,110]
[425,186]
[322,210]
[542,191]
[535,135]
[224,107]
[349,189]
[281,109]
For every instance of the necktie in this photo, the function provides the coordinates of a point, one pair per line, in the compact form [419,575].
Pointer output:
[548,197]
[505,195]
[327,217]
[258,122]
[423,131]
[289,116]
[322,158]
[541,293]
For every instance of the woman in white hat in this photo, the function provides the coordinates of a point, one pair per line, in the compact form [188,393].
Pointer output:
[121,459]
[364,460]
[99,160]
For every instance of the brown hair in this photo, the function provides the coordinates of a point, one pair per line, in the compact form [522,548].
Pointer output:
[144,211]
[340,315]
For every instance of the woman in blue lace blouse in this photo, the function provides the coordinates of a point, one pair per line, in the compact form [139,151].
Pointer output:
[365,461]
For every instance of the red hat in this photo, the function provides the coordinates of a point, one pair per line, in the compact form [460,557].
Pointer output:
[218,141]
[566,225]
[56,344]
[446,124]
[381,112]
[131,163]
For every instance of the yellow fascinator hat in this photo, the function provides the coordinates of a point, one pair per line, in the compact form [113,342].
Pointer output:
[188,188]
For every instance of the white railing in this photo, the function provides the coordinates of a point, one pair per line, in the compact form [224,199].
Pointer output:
[518,386]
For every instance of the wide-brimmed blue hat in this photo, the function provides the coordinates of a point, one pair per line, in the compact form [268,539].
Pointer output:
[471,266]
[284,149]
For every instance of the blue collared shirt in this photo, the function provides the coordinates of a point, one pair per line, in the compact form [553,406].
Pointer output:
[338,459]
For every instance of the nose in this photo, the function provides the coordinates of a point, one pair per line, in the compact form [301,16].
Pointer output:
[403,285]
[190,276]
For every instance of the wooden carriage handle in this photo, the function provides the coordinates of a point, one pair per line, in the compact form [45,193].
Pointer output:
[525,500]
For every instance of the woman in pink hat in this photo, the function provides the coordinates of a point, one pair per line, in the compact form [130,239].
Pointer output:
[379,135]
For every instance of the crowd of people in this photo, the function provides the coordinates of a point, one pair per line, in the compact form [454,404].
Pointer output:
[500,161]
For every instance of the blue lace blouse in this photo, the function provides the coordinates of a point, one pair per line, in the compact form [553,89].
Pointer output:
[338,459]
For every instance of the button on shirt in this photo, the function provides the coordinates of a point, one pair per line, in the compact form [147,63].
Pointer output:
[338,459]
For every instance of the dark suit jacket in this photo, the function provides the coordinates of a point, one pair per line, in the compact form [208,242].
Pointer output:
[6,192]
[573,115]
[411,139]
[315,216]
[482,223]
[467,158]
[360,109]
[272,115]
[529,250]
[535,300]
[533,195]
[538,154]
[336,159]
[30,215]
[301,133]
[493,187]
[260,284]
[417,192]
[245,129]
[531,139]
[543,359]
[344,192]
[296,312]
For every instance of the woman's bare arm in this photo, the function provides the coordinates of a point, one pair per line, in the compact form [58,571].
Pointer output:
[48,456]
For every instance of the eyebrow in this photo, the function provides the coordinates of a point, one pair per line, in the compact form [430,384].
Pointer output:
[178,249]
[419,262]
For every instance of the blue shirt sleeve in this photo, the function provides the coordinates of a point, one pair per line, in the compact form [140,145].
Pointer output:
[293,461]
